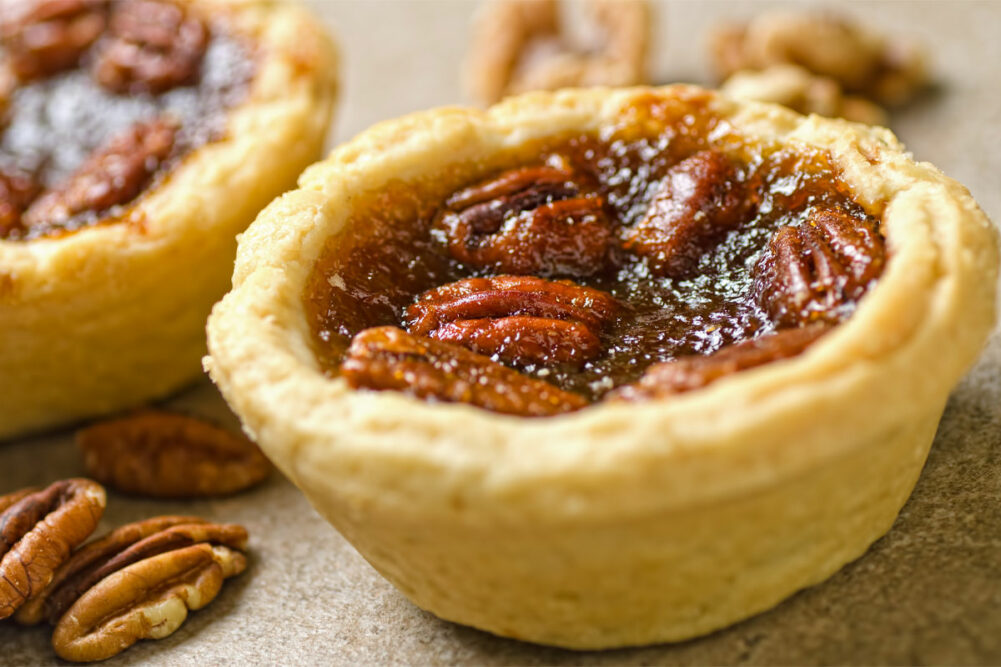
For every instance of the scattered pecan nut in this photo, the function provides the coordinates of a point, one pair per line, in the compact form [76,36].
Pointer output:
[148,599]
[520,319]
[17,190]
[166,455]
[798,89]
[153,46]
[818,270]
[44,37]
[699,200]
[37,534]
[688,373]
[521,45]
[116,551]
[113,175]
[531,220]
[859,60]
[390,358]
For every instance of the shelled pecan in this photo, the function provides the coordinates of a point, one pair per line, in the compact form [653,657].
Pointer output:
[38,533]
[166,455]
[699,200]
[17,190]
[530,220]
[112,175]
[43,37]
[390,358]
[11,498]
[688,373]
[148,599]
[520,319]
[119,549]
[153,46]
[818,270]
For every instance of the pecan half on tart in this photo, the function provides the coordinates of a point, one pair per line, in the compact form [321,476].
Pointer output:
[137,138]
[600,367]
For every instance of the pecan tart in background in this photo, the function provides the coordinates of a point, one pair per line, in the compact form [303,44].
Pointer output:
[137,138]
[601,367]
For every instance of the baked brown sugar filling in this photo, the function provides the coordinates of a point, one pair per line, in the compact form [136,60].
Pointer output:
[100,99]
[647,259]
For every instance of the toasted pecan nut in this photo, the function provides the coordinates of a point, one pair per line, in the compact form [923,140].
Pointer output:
[119,549]
[11,498]
[38,533]
[154,46]
[390,358]
[531,220]
[166,455]
[523,340]
[113,175]
[700,199]
[521,45]
[818,270]
[149,599]
[17,190]
[520,319]
[43,37]
[688,373]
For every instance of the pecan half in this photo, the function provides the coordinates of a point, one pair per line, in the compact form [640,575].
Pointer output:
[700,199]
[113,175]
[390,358]
[37,534]
[17,190]
[119,549]
[520,319]
[532,220]
[166,455]
[43,37]
[818,270]
[11,498]
[148,599]
[688,373]
[154,46]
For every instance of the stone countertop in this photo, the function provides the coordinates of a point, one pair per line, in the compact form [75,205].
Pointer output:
[928,592]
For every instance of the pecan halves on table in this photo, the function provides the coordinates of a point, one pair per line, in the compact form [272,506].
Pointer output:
[699,200]
[153,46]
[167,455]
[688,373]
[111,176]
[148,599]
[44,37]
[818,270]
[390,358]
[119,549]
[38,533]
[520,319]
[530,220]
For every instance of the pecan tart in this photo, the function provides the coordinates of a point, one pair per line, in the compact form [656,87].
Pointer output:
[607,367]
[137,138]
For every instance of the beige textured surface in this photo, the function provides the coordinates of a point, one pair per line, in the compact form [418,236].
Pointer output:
[927,593]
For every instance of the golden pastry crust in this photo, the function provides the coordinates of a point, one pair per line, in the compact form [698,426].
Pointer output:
[619,524]
[112,316]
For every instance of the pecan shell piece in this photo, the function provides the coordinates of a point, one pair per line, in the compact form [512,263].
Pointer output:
[531,220]
[817,271]
[148,599]
[688,373]
[154,46]
[43,37]
[166,455]
[522,340]
[700,199]
[74,576]
[390,358]
[111,176]
[501,296]
[38,533]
